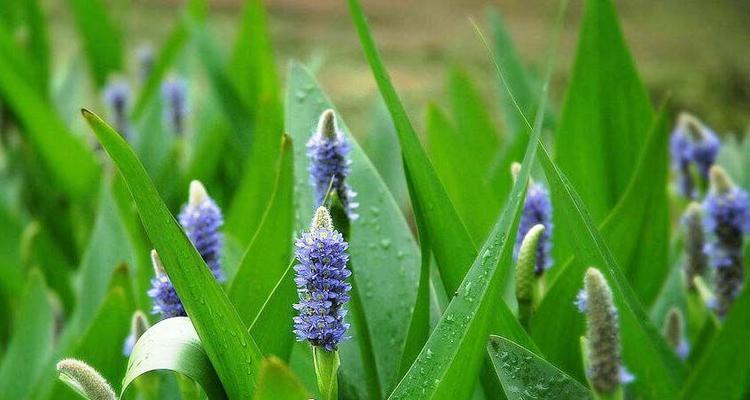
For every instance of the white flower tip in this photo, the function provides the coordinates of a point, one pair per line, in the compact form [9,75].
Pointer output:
[694,209]
[198,193]
[139,324]
[327,124]
[321,220]
[692,125]
[720,181]
[515,170]
[156,262]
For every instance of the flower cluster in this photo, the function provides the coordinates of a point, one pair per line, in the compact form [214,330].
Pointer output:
[605,371]
[321,284]
[175,107]
[163,294]
[692,143]
[117,98]
[537,209]
[201,219]
[727,221]
[328,151]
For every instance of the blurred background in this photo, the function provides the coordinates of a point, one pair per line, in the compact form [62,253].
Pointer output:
[697,52]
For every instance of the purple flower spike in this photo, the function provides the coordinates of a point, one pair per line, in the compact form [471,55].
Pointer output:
[117,98]
[328,151]
[321,284]
[174,107]
[201,219]
[537,209]
[727,221]
[163,295]
[692,143]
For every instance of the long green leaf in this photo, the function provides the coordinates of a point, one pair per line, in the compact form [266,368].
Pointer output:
[101,38]
[277,382]
[266,262]
[230,348]
[606,114]
[31,343]
[173,345]
[385,258]
[715,376]
[524,375]
[66,158]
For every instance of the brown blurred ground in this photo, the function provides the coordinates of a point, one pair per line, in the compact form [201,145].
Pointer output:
[699,51]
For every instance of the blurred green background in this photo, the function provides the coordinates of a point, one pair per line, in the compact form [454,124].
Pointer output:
[696,51]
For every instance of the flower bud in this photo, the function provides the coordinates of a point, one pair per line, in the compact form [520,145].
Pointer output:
[85,380]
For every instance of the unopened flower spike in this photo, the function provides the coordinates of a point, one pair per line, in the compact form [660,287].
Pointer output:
[537,209]
[692,144]
[605,370]
[727,220]
[116,96]
[138,326]
[696,261]
[321,276]
[174,104]
[201,219]
[673,332]
[525,277]
[85,380]
[328,150]
[163,294]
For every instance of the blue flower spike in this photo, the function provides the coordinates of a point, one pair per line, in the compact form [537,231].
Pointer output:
[692,144]
[537,209]
[174,104]
[727,220]
[202,220]
[328,151]
[117,96]
[163,295]
[605,371]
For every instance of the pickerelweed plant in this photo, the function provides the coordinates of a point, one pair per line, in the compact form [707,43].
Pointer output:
[444,277]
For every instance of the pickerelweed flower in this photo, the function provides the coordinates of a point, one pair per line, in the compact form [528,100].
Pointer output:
[321,283]
[696,261]
[537,209]
[692,143]
[163,294]
[145,57]
[86,379]
[201,219]
[138,326]
[328,151]
[174,104]
[727,221]
[605,370]
[117,98]
[673,332]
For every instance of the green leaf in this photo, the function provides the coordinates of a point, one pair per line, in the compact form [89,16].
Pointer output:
[519,81]
[642,216]
[475,128]
[66,158]
[463,178]
[525,375]
[231,350]
[107,248]
[606,114]
[265,264]
[277,382]
[173,345]
[384,255]
[101,38]
[31,343]
[714,376]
